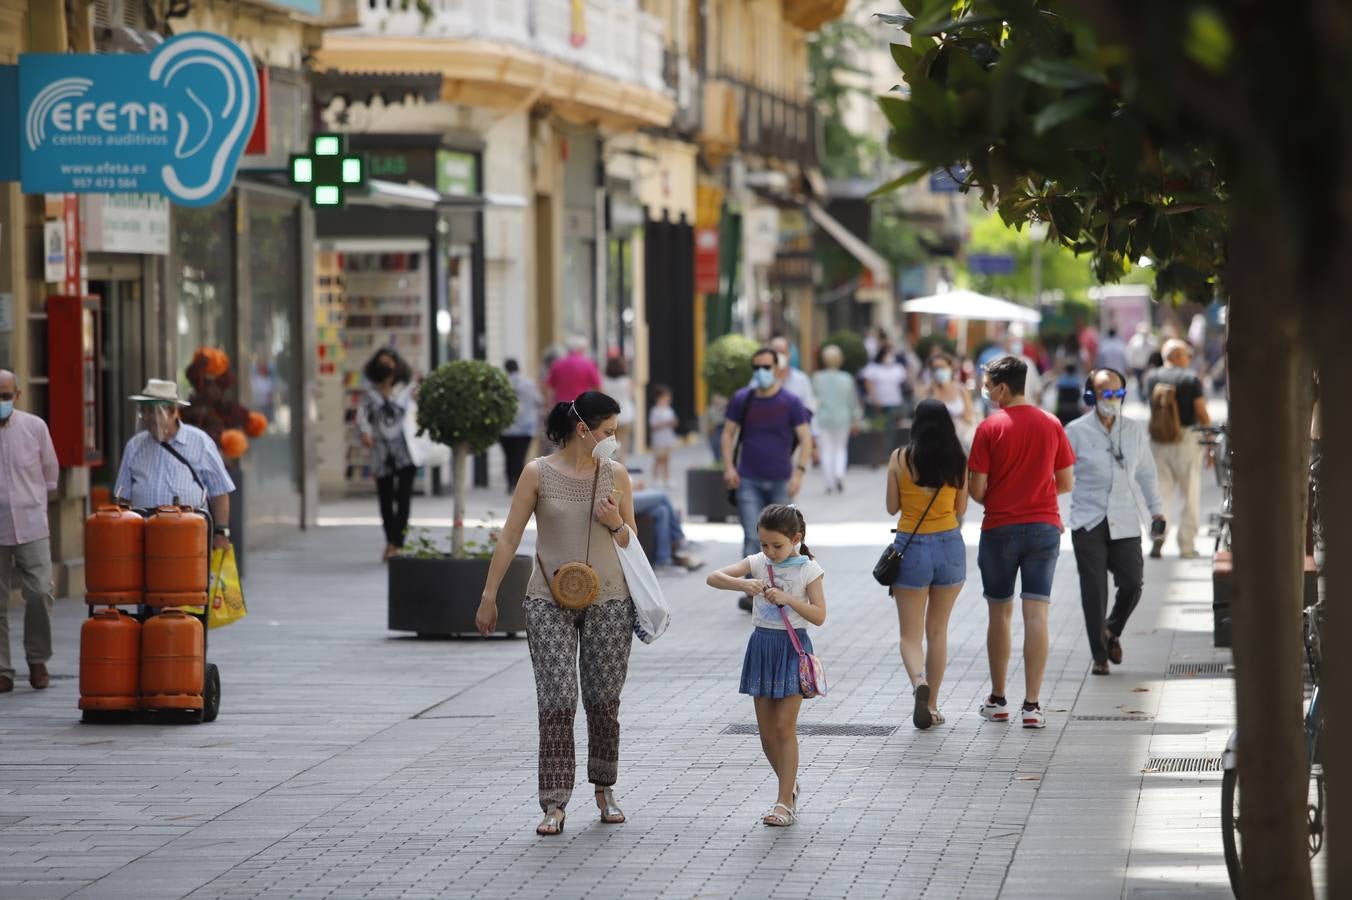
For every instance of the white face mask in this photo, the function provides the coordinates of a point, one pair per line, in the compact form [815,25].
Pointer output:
[605,449]
[943,376]
[1110,409]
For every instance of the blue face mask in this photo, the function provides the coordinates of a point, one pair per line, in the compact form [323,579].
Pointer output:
[763,378]
[6,409]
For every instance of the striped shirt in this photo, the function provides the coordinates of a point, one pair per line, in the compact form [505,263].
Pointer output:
[150,475]
[28,470]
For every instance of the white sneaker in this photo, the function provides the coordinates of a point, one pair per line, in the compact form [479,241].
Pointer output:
[669,571]
[1033,718]
[994,712]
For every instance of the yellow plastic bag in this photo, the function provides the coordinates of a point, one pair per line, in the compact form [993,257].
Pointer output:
[227,596]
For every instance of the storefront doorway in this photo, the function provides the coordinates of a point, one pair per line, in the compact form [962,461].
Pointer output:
[126,359]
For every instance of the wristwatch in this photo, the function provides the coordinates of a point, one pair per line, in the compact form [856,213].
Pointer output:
[616,530]
[222,530]
[802,469]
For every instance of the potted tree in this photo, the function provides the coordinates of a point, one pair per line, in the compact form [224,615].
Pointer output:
[727,369]
[464,404]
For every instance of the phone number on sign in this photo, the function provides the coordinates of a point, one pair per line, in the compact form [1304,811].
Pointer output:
[105,183]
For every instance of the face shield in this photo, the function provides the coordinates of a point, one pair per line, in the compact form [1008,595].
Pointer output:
[158,419]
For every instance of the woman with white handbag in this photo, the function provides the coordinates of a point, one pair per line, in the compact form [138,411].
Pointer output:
[580,615]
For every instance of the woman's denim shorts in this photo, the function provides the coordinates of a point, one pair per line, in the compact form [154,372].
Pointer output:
[932,560]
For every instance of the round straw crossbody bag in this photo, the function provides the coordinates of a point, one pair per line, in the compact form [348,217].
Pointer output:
[576,584]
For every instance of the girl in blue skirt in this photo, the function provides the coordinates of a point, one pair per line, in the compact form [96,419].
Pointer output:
[770,669]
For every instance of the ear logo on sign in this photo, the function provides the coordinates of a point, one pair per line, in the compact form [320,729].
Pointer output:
[172,122]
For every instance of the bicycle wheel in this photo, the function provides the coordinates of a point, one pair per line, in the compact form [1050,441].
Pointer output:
[1230,826]
[1314,810]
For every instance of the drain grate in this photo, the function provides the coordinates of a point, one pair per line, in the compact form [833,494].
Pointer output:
[1182,764]
[1112,718]
[822,729]
[1200,670]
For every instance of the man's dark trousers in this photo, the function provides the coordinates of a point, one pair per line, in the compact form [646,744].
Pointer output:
[1097,554]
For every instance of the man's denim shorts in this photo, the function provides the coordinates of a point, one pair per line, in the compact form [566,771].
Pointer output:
[932,560]
[1029,551]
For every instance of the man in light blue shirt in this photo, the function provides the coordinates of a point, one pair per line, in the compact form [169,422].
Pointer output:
[1112,462]
[170,459]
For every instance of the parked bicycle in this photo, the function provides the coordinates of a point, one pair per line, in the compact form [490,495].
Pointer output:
[1313,619]
[1217,437]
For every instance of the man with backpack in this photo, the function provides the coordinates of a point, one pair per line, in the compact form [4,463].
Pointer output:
[1177,405]
[765,424]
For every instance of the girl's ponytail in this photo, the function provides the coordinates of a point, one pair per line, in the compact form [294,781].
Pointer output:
[786,519]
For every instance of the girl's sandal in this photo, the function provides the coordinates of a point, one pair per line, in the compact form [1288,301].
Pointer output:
[612,814]
[780,819]
[936,717]
[551,824]
[795,795]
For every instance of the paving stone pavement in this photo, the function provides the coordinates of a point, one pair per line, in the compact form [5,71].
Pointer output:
[349,761]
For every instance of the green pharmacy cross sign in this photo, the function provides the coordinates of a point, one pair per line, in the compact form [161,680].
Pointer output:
[328,170]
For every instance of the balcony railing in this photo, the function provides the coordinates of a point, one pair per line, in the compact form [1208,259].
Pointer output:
[767,124]
[610,37]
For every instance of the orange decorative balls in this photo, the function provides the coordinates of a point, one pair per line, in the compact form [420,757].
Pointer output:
[233,443]
[256,425]
[217,363]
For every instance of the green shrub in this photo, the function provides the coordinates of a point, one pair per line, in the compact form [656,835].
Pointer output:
[727,364]
[852,347]
[466,402]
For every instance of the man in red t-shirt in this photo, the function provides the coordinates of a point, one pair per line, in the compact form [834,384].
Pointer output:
[1020,461]
[573,375]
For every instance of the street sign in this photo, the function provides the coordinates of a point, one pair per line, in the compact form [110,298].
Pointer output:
[328,170]
[990,263]
[171,122]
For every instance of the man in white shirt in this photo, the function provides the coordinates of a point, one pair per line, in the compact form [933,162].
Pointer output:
[1112,460]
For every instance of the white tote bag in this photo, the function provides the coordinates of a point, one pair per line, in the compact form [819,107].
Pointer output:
[421,448]
[651,613]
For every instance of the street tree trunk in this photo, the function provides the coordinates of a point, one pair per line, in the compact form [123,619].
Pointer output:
[1269,418]
[459,459]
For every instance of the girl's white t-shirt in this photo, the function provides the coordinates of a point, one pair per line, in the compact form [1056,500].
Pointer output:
[792,580]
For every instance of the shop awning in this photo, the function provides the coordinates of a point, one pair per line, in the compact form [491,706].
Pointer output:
[971,305]
[414,195]
[855,246]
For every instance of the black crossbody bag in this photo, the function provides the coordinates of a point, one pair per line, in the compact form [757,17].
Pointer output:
[889,563]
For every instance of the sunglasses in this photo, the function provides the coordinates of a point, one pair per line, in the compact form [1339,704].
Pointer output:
[1118,394]
[764,368]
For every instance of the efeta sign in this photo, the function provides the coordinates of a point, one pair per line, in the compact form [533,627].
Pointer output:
[173,122]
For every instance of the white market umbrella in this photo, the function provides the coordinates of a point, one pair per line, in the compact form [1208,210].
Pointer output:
[971,305]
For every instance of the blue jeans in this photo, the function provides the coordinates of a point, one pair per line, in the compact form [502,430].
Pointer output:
[666,522]
[1028,551]
[753,495]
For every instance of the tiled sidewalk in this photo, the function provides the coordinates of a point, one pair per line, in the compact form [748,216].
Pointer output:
[349,761]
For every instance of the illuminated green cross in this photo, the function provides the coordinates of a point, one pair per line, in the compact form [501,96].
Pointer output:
[329,169]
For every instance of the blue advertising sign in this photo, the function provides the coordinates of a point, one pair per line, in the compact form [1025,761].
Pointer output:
[9,114]
[171,122]
[990,263]
[945,181]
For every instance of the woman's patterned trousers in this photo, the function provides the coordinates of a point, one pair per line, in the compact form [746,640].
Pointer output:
[606,631]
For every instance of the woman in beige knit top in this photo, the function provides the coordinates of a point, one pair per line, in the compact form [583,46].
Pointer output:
[572,527]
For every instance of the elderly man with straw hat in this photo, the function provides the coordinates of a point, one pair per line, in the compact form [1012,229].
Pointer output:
[171,459]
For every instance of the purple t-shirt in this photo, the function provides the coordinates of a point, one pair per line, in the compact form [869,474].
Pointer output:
[767,425]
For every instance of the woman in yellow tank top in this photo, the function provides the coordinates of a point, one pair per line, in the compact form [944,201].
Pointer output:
[927,485]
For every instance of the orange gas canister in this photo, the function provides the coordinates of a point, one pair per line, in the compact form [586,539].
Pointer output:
[173,664]
[114,556]
[110,661]
[176,557]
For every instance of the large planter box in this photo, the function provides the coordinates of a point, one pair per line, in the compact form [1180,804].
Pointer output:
[870,448]
[440,596]
[706,495]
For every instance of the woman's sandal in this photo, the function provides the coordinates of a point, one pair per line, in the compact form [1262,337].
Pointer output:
[936,717]
[921,717]
[780,819]
[612,814]
[551,824]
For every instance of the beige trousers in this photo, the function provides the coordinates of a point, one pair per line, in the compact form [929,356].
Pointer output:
[1180,469]
[32,562]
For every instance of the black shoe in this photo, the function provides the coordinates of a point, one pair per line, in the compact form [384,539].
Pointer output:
[1100,668]
[744,602]
[1114,649]
[1155,548]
